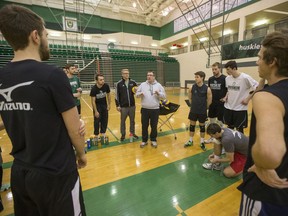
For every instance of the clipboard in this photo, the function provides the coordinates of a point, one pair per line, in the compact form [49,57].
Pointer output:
[188,103]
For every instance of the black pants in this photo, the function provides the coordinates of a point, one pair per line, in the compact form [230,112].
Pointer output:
[102,121]
[149,116]
[36,193]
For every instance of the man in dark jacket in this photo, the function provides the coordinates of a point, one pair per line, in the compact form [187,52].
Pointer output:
[125,103]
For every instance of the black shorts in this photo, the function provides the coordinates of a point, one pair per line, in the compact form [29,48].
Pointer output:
[38,193]
[197,117]
[237,119]
[216,110]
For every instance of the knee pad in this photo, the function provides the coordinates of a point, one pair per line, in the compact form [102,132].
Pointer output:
[192,128]
[202,128]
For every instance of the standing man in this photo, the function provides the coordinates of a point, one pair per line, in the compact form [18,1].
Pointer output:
[75,85]
[235,145]
[150,92]
[125,103]
[41,119]
[240,88]
[200,98]
[101,100]
[218,88]
[265,186]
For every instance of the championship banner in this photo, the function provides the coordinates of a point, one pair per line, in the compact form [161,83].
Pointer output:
[70,24]
[242,49]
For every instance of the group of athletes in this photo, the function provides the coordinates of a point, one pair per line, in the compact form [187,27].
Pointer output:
[41,119]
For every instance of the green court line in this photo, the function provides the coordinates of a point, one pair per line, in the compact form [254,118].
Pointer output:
[153,192]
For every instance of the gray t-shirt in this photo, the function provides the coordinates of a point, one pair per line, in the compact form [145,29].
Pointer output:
[234,141]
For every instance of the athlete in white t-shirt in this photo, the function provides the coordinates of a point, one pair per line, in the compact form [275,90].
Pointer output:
[240,87]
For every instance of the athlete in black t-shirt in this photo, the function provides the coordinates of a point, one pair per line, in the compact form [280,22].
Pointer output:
[200,97]
[265,186]
[100,94]
[41,119]
[219,90]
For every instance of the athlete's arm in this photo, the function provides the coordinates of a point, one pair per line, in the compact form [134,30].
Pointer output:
[72,123]
[269,148]
[108,96]
[2,127]
[93,102]
[190,94]
[209,97]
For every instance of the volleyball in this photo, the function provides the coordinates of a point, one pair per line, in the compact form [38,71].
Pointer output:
[164,102]
[134,89]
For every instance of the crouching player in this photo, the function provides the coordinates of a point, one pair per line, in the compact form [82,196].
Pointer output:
[235,145]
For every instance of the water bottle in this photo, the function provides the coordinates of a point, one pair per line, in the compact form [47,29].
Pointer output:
[131,137]
[91,141]
[88,143]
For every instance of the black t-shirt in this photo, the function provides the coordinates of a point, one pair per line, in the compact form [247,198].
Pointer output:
[100,94]
[199,99]
[218,87]
[252,186]
[32,97]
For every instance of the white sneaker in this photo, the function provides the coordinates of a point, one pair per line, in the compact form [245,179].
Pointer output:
[212,140]
[212,166]
[154,144]
[143,144]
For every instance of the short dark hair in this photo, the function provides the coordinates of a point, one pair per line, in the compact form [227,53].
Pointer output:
[231,64]
[17,23]
[276,44]
[69,65]
[201,74]
[213,128]
[151,71]
[98,75]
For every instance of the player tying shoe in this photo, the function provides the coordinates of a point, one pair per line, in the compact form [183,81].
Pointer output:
[235,144]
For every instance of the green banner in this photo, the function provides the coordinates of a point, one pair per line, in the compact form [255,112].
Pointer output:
[242,49]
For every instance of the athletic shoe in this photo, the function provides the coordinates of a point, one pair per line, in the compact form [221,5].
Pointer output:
[154,144]
[143,144]
[223,151]
[212,166]
[188,143]
[203,147]
[135,136]
[122,138]
[210,140]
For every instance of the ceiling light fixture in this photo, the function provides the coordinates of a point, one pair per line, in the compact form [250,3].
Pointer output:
[203,39]
[227,32]
[112,40]
[260,22]
[54,33]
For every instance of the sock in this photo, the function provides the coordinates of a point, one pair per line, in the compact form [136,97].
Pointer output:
[191,139]
[202,140]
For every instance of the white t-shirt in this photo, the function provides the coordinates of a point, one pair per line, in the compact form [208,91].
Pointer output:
[238,89]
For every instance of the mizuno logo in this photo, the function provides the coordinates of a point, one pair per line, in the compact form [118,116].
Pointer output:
[6,93]
[9,105]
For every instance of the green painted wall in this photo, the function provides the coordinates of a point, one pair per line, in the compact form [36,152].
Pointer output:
[97,24]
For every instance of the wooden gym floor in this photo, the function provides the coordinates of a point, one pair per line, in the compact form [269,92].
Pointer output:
[123,179]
